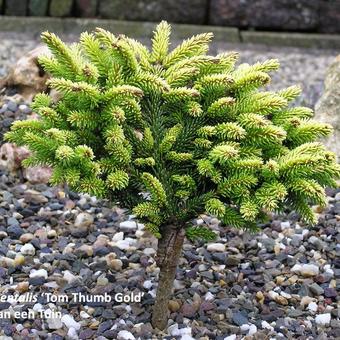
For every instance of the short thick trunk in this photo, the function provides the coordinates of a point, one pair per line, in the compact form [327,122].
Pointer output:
[168,253]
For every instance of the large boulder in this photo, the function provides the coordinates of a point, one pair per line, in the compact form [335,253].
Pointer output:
[266,14]
[327,109]
[26,75]
[182,11]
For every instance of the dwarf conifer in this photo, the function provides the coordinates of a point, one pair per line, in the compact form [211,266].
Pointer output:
[172,134]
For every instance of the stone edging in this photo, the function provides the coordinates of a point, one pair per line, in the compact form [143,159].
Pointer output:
[35,25]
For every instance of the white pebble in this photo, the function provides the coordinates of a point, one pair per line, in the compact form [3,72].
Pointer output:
[187,337]
[209,296]
[128,225]
[147,284]
[285,225]
[312,306]
[69,322]
[125,335]
[252,330]
[230,337]
[306,270]
[118,236]
[266,325]
[323,319]
[216,247]
[149,251]
[38,273]
[69,277]
[72,334]
[245,327]
[38,307]
[84,315]
[27,249]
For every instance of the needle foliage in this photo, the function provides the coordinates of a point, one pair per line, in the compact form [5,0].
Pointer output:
[172,134]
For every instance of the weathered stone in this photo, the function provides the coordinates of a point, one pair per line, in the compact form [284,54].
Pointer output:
[329,16]
[86,8]
[17,8]
[61,8]
[280,14]
[11,156]
[38,174]
[327,108]
[37,7]
[26,75]
[152,10]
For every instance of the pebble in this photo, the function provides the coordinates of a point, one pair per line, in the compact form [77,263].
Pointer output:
[27,237]
[306,270]
[22,287]
[212,247]
[323,319]
[69,322]
[174,306]
[312,306]
[38,273]
[114,264]
[125,335]
[27,249]
[128,226]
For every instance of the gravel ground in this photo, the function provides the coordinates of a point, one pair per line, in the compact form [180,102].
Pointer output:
[281,283]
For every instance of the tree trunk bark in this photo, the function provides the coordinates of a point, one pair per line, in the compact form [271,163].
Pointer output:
[168,253]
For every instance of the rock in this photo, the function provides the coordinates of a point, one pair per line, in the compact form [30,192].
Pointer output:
[38,8]
[154,10]
[54,323]
[84,250]
[128,226]
[327,108]
[35,197]
[239,319]
[69,322]
[316,289]
[27,249]
[11,156]
[323,319]
[27,237]
[306,270]
[69,277]
[86,8]
[312,306]
[38,174]
[22,287]
[125,335]
[174,306]
[113,263]
[232,260]
[252,330]
[81,225]
[216,247]
[330,292]
[83,220]
[284,14]
[188,310]
[27,76]
[14,231]
[19,260]
[61,8]
[17,8]
[38,273]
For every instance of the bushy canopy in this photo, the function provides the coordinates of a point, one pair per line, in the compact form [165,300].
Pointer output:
[171,135]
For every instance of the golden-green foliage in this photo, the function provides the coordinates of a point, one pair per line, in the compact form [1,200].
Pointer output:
[172,134]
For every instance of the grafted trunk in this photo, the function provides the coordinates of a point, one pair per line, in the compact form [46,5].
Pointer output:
[168,253]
